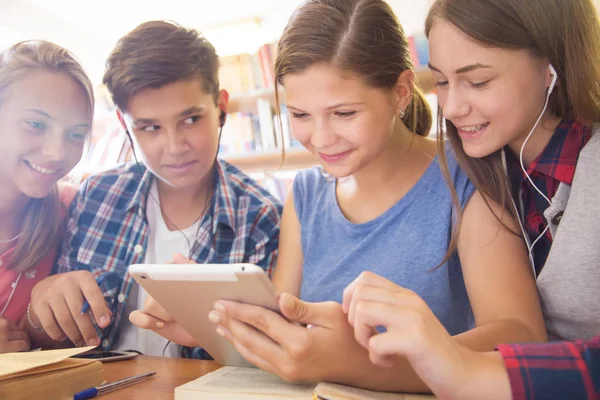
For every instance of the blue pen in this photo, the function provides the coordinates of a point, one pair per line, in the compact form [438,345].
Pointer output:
[109,387]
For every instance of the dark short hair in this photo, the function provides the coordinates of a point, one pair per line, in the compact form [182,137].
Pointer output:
[155,54]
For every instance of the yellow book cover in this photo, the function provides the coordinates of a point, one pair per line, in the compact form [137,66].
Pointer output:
[47,374]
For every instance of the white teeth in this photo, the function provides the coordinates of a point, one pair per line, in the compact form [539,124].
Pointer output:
[42,170]
[473,128]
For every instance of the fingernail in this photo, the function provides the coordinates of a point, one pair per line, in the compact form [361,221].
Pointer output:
[220,331]
[219,307]
[93,342]
[213,316]
[103,321]
[160,324]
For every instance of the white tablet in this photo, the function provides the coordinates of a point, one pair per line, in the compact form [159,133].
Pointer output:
[189,291]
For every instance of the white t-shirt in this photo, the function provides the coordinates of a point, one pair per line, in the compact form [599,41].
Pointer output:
[162,246]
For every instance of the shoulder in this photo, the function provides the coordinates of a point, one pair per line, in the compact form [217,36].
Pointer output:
[589,153]
[122,181]
[308,184]
[460,181]
[308,180]
[241,186]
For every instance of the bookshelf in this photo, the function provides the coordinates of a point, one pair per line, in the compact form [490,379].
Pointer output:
[270,161]
[253,137]
[246,101]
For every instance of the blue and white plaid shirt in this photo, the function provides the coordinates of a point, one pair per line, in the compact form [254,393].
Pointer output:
[108,231]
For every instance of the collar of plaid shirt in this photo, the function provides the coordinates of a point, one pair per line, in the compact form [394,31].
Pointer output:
[225,200]
[559,158]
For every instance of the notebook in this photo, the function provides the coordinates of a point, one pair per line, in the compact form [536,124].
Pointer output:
[48,374]
[233,383]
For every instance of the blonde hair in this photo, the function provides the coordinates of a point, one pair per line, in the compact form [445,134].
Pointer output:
[42,224]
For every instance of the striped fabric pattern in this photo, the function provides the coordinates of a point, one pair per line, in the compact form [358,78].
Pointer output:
[107,229]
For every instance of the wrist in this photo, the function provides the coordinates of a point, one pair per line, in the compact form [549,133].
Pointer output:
[487,377]
[30,320]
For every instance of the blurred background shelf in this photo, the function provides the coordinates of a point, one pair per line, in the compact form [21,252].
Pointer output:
[271,161]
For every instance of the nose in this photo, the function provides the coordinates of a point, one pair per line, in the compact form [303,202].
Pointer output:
[322,137]
[176,142]
[453,103]
[55,147]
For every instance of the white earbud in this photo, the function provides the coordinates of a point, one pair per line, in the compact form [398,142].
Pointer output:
[554,79]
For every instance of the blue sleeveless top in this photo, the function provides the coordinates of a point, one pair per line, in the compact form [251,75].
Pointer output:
[404,244]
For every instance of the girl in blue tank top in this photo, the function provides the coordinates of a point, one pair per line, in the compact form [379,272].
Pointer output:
[379,202]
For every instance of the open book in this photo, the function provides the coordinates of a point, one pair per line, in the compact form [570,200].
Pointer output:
[233,383]
[49,374]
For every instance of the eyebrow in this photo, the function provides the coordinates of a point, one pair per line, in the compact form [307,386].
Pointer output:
[183,114]
[45,114]
[333,106]
[462,70]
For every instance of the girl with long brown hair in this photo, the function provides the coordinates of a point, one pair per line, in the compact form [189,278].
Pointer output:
[46,110]
[519,95]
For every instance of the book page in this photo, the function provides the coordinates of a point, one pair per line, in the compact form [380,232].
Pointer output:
[332,391]
[12,363]
[248,381]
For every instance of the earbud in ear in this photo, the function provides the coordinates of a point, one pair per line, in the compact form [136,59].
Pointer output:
[222,118]
[554,79]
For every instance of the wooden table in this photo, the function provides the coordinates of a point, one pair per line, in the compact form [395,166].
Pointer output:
[171,372]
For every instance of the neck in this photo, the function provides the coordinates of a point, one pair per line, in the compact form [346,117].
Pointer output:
[184,206]
[538,140]
[388,168]
[188,196]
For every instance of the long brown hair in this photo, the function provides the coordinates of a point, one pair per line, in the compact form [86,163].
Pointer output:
[565,32]
[41,226]
[365,38]
[360,36]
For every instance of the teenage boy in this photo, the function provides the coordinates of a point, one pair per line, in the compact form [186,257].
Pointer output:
[179,198]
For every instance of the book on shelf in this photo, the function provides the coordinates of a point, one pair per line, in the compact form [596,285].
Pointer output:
[246,132]
[419,49]
[248,72]
[48,374]
[238,383]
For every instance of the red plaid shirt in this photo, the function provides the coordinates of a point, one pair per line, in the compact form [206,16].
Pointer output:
[559,370]
[554,165]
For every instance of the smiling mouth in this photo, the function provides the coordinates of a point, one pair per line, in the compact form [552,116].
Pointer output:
[334,157]
[473,128]
[40,169]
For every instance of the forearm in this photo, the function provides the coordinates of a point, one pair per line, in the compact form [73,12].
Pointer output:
[486,337]
[401,377]
[398,378]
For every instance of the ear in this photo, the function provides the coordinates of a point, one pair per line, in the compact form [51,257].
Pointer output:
[223,100]
[405,86]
